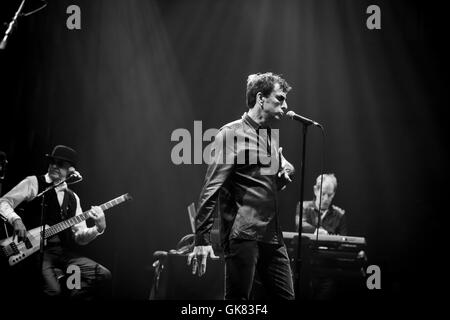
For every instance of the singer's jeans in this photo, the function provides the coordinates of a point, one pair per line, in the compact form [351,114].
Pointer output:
[245,258]
[95,279]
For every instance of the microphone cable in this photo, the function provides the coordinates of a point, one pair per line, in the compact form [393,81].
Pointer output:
[26,14]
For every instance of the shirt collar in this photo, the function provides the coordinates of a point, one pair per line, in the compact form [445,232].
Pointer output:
[47,178]
[252,122]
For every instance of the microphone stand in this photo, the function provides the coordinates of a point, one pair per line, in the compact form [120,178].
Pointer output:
[298,262]
[3,219]
[11,26]
[3,163]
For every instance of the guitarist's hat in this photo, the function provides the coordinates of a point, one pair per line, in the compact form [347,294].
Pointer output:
[65,153]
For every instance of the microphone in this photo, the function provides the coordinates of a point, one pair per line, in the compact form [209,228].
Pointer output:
[303,120]
[74,173]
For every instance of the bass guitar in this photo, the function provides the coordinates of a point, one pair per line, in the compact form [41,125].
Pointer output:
[16,251]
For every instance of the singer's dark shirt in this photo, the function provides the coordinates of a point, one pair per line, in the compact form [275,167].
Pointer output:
[245,197]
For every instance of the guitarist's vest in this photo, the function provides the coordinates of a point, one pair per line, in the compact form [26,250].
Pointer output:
[54,213]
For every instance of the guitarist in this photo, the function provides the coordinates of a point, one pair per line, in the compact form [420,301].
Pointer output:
[60,204]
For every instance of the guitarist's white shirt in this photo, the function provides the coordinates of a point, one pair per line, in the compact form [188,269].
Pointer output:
[27,190]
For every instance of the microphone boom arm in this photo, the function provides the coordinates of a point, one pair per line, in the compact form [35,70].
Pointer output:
[11,26]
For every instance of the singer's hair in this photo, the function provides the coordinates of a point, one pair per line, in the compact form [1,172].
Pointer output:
[327,176]
[264,83]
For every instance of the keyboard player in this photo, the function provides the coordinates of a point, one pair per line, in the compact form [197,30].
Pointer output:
[332,221]
[332,218]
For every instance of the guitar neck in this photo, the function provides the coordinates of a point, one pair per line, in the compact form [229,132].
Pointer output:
[63,225]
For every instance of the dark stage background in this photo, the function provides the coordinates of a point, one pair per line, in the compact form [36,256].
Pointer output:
[137,70]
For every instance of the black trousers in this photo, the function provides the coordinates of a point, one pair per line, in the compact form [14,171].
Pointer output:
[323,287]
[246,258]
[95,278]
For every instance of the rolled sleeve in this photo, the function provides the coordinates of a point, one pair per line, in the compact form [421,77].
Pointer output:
[26,190]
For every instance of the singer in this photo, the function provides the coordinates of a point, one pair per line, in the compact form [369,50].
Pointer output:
[247,199]
[60,204]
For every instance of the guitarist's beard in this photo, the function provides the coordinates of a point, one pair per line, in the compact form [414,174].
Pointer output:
[55,175]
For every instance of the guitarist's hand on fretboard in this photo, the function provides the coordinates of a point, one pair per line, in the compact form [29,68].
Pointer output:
[98,215]
[17,252]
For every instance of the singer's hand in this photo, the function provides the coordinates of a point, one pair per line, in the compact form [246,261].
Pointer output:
[287,170]
[98,215]
[198,259]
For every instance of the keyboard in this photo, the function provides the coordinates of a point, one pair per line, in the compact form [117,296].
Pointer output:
[326,238]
